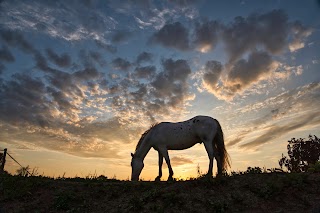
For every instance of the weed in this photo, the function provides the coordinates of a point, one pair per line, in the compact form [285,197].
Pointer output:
[157,208]
[275,170]
[68,200]
[253,170]
[296,179]
[63,201]
[237,196]
[314,167]
[217,206]
[136,203]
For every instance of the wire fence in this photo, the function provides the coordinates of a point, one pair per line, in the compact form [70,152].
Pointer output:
[3,160]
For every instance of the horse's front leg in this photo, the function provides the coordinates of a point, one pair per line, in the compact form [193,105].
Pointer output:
[164,153]
[160,166]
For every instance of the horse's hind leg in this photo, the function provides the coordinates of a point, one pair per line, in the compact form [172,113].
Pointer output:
[164,153]
[218,159]
[160,166]
[209,148]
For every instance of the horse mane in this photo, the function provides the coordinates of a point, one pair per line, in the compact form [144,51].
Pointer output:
[144,134]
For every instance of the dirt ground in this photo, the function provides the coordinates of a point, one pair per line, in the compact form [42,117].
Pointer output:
[267,192]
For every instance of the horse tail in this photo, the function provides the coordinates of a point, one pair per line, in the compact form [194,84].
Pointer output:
[222,152]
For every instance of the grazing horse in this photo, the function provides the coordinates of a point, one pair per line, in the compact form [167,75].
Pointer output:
[182,135]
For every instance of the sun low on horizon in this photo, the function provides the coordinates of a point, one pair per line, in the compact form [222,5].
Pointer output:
[80,81]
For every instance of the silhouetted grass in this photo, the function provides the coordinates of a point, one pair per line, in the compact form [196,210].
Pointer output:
[252,190]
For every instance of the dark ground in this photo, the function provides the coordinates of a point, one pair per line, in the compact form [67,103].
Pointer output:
[267,192]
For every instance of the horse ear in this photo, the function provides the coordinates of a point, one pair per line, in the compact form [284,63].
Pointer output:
[132,155]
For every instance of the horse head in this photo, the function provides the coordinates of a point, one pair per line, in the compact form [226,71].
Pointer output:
[137,166]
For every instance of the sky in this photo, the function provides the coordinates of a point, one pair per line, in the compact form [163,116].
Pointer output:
[81,80]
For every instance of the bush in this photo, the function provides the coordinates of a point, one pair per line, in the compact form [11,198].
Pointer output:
[254,170]
[314,167]
[302,154]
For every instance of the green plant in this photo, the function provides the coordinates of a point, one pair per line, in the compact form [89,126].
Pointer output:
[66,200]
[217,206]
[136,203]
[63,201]
[23,171]
[275,170]
[314,167]
[301,154]
[199,172]
[253,170]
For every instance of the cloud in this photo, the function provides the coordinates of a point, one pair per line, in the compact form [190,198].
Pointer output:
[98,58]
[6,55]
[206,35]
[120,36]
[244,34]
[48,101]
[51,112]
[242,75]
[299,106]
[174,75]
[74,90]
[184,3]
[96,139]
[239,138]
[142,3]
[172,35]
[121,64]
[2,68]
[300,33]
[147,72]
[80,110]
[62,61]
[171,84]
[211,75]
[16,39]
[258,66]
[144,57]
[107,47]
[165,92]
[86,74]
[142,24]
[178,161]
[90,58]
[41,62]
[156,14]
[58,19]
[23,101]
[127,6]
[276,131]
[186,7]
[271,30]
[253,43]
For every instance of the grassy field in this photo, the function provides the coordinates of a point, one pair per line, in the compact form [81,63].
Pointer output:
[265,192]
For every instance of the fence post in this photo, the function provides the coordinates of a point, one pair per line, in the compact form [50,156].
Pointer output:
[3,160]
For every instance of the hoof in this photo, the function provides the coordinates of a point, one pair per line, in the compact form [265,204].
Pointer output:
[157,178]
[208,176]
[170,178]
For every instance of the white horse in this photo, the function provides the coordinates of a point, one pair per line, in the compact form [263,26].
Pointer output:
[182,135]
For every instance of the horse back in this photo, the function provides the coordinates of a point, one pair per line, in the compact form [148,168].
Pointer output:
[182,135]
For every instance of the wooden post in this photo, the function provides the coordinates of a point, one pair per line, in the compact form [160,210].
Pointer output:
[3,161]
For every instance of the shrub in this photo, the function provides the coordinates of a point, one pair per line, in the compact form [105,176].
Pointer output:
[314,167]
[254,170]
[302,154]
